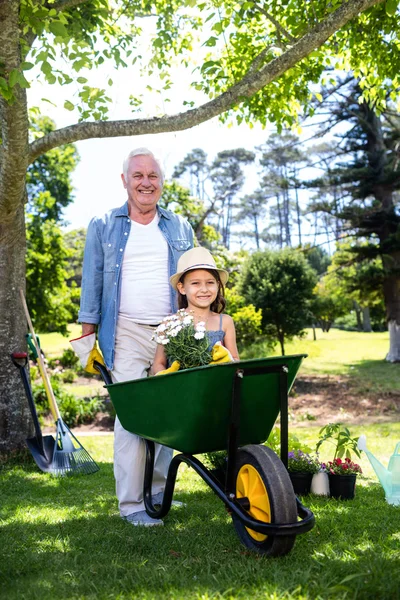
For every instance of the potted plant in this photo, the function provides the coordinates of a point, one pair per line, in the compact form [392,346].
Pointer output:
[302,467]
[342,473]
[342,477]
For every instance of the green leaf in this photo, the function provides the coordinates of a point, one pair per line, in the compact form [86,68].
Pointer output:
[22,81]
[13,78]
[391,7]
[81,80]
[58,29]
[49,101]
[25,66]
[68,105]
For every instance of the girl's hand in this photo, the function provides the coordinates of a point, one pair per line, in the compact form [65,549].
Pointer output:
[220,354]
[172,369]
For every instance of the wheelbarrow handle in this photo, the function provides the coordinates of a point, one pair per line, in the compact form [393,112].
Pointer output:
[105,375]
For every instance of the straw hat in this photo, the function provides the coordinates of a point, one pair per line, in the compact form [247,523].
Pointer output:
[196,258]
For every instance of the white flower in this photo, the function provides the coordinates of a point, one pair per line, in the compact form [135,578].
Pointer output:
[164,341]
[187,320]
[201,326]
[161,327]
[199,335]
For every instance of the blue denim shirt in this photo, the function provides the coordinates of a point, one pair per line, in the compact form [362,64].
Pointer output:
[101,278]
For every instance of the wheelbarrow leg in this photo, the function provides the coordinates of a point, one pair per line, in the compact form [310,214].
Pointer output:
[148,481]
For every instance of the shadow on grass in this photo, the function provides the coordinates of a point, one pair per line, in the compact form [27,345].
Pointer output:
[376,376]
[66,541]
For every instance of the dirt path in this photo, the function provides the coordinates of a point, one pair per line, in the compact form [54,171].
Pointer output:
[328,398]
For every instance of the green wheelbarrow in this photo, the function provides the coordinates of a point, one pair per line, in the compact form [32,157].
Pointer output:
[230,407]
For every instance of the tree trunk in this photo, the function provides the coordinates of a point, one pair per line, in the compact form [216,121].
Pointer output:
[394,342]
[15,422]
[282,343]
[391,292]
[358,315]
[366,320]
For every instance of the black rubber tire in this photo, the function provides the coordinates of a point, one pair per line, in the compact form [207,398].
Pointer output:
[280,494]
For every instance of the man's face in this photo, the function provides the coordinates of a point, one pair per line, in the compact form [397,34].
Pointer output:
[143,183]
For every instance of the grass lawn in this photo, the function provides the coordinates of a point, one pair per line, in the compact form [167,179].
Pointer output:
[62,538]
[356,355]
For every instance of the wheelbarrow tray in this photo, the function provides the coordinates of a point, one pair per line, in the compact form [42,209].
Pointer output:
[190,410]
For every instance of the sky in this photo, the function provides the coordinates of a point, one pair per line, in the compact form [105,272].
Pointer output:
[96,180]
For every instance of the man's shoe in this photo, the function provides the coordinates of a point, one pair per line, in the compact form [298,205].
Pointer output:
[158,498]
[143,519]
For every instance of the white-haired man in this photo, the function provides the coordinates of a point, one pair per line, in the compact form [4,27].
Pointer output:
[130,254]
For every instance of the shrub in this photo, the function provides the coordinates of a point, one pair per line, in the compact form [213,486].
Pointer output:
[68,360]
[247,318]
[74,411]
[247,324]
[68,376]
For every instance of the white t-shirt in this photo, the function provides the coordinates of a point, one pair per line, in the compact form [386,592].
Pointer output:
[145,291]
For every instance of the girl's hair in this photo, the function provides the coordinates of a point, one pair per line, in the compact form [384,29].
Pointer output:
[219,303]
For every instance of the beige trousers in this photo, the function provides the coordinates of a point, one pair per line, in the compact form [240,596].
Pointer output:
[134,354]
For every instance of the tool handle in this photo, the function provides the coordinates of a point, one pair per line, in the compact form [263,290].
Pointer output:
[42,368]
[22,356]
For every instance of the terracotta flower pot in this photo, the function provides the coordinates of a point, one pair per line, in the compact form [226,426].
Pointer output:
[342,486]
[301,482]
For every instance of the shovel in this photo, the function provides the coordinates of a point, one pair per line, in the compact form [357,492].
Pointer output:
[69,456]
[41,447]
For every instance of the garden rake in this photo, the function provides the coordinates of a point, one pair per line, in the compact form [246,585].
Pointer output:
[69,456]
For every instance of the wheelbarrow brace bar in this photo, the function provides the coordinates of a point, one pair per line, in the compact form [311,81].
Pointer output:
[230,501]
[234,424]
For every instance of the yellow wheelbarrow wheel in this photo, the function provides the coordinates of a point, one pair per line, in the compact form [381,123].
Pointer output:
[262,478]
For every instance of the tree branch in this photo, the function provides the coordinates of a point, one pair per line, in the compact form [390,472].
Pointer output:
[251,83]
[276,24]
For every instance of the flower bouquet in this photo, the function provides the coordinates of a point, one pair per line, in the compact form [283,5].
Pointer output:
[183,340]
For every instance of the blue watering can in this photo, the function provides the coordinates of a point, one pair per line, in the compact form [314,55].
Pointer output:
[390,477]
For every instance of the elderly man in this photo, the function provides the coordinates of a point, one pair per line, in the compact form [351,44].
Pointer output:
[130,254]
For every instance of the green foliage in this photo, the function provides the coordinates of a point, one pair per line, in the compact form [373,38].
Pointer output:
[68,376]
[69,359]
[318,258]
[48,179]
[75,243]
[247,318]
[216,460]
[247,324]
[74,411]
[280,284]
[53,304]
[274,442]
[328,304]
[340,436]
[302,462]
[359,280]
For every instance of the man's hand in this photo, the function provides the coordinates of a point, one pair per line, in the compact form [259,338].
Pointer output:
[86,349]
[220,354]
[172,369]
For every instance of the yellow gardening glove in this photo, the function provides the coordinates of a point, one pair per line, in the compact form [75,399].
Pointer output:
[220,354]
[172,369]
[86,349]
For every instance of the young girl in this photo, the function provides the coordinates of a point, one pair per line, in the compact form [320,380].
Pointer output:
[200,287]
